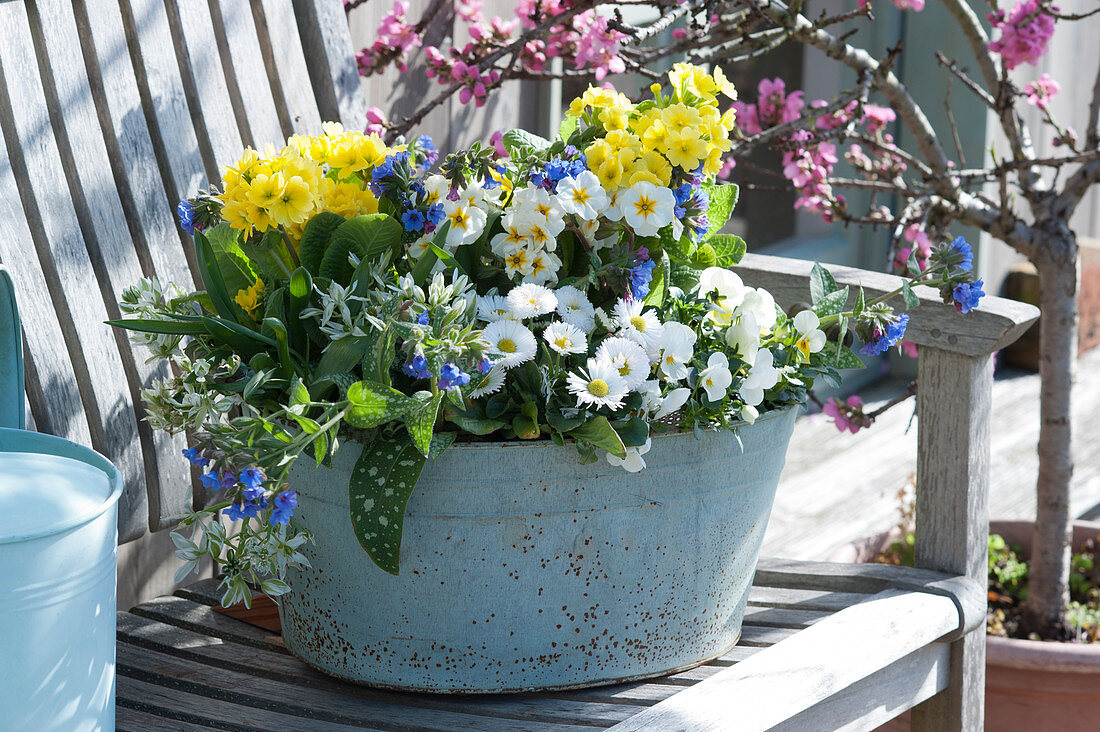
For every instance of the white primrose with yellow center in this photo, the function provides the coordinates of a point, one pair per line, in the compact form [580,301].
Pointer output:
[676,348]
[647,208]
[582,196]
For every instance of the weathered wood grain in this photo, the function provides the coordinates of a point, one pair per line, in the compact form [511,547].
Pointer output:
[12,391]
[952,521]
[286,66]
[807,668]
[71,278]
[998,322]
[133,720]
[327,44]
[801,599]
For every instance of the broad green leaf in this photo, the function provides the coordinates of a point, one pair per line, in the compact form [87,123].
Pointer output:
[516,140]
[567,127]
[831,304]
[440,442]
[367,236]
[840,356]
[382,480]
[301,282]
[600,433]
[910,297]
[212,279]
[315,239]
[821,283]
[379,357]
[728,249]
[633,432]
[279,330]
[685,277]
[342,355]
[420,420]
[373,404]
[861,302]
[558,421]
[447,259]
[299,394]
[167,327]
[525,427]
[723,198]
[472,423]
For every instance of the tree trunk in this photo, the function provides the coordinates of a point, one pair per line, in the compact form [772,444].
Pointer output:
[1048,585]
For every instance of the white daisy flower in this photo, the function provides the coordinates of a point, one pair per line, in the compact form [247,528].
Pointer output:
[565,338]
[492,308]
[628,358]
[633,461]
[575,309]
[716,377]
[647,208]
[676,347]
[599,386]
[642,327]
[604,319]
[487,383]
[512,341]
[810,338]
[583,195]
[762,376]
[731,292]
[744,337]
[531,300]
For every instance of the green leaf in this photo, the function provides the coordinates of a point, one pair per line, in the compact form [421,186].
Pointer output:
[212,279]
[315,239]
[299,394]
[685,277]
[600,433]
[447,259]
[284,348]
[840,356]
[728,249]
[516,140]
[167,327]
[373,404]
[382,480]
[722,200]
[821,283]
[912,265]
[367,236]
[567,127]
[381,351]
[558,421]
[861,303]
[341,356]
[831,304]
[420,420]
[910,297]
[633,432]
[440,442]
[658,286]
[244,341]
[301,282]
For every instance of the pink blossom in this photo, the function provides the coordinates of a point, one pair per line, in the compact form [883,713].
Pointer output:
[1024,33]
[599,47]
[848,415]
[909,349]
[679,34]
[747,120]
[497,141]
[774,105]
[915,5]
[877,117]
[919,241]
[1039,93]
[469,10]
[727,168]
[396,39]
[376,122]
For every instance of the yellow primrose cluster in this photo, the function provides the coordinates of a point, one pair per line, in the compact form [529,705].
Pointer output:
[312,173]
[644,142]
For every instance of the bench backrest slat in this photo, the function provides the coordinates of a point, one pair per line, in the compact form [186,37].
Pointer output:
[111,111]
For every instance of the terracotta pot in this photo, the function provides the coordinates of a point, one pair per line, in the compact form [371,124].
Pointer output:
[1030,686]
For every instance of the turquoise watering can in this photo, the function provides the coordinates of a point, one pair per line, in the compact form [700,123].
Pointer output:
[58,536]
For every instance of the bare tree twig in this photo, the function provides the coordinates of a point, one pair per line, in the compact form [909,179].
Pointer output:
[970,83]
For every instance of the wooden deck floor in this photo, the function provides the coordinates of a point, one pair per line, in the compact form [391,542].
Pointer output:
[837,487]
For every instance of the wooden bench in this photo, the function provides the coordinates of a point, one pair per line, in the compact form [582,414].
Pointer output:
[112,110]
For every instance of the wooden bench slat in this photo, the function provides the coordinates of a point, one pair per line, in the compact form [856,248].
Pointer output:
[249,85]
[800,599]
[71,278]
[290,85]
[782,618]
[201,619]
[766,689]
[326,42]
[117,262]
[133,720]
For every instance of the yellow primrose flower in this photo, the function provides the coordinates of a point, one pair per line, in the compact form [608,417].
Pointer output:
[610,173]
[686,148]
[719,137]
[641,175]
[641,123]
[655,164]
[713,162]
[724,85]
[294,204]
[251,298]
[245,216]
[614,118]
[265,189]
[623,140]
[596,154]
[677,117]
[656,136]
[347,199]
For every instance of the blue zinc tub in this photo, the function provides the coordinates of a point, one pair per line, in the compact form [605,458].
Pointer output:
[58,535]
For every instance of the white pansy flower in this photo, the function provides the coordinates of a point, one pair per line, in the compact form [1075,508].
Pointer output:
[761,304]
[676,347]
[761,377]
[810,338]
[628,358]
[633,461]
[531,300]
[565,338]
[716,377]
[510,340]
[487,383]
[642,327]
[730,293]
[744,337]
[575,309]
[671,402]
[599,386]
[647,208]
[749,414]
[492,308]
[583,195]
